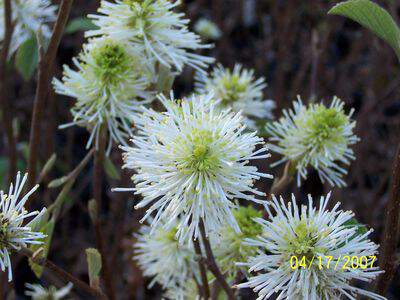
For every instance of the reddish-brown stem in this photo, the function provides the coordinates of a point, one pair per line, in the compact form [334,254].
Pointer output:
[212,264]
[205,288]
[45,71]
[63,275]
[314,65]
[5,91]
[280,184]
[387,259]
[97,195]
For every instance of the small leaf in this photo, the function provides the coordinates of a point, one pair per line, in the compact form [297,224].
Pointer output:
[26,59]
[92,208]
[93,258]
[55,208]
[58,182]
[47,229]
[111,169]
[80,24]
[361,229]
[48,165]
[373,17]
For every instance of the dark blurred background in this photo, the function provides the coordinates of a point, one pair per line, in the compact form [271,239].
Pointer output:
[300,50]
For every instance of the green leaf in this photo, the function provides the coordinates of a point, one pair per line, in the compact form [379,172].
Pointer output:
[55,208]
[361,229]
[58,182]
[47,229]
[92,208]
[80,24]
[111,169]
[48,165]
[93,258]
[373,17]
[26,59]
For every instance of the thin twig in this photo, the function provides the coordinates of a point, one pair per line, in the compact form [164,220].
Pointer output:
[315,52]
[5,90]
[203,273]
[97,195]
[62,274]
[280,184]
[387,259]
[45,70]
[212,264]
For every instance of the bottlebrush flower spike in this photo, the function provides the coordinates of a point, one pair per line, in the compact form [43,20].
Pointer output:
[315,135]
[309,234]
[191,162]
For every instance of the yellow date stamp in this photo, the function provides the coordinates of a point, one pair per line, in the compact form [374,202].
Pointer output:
[345,262]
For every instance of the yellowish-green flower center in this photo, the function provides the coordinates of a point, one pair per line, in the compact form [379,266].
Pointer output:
[171,235]
[324,124]
[202,158]
[245,218]
[141,10]
[232,86]
[303,244]
[111,61]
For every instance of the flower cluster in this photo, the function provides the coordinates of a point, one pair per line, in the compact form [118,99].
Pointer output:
[237,89]
[152,27]
[120,67]
[162,257]
[191,162]
[14,234]
[109,84]
[228,245]
[28,16]
[308,232]
[194,162]
[315,135]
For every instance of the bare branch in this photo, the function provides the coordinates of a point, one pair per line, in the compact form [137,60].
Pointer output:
[388,259]
[212,264]
[97,194]
[45,71]
[205,288]
[62,274]
[5,91]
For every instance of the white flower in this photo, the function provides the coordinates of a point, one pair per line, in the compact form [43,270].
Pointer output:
[192,161]
[228,245]
[38,292]
[28,16]
[152,27]
[187,291]
[160,256]
[109,86]
[308,233]
[13,233]
[316,136]
[238,89]
[207,29]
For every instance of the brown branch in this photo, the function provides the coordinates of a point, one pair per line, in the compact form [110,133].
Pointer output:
[315,52]
[45,70]
[280,184]
[203,272]
[5,90]
[212,264]
[97,195]
[387,259]
[62,274]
